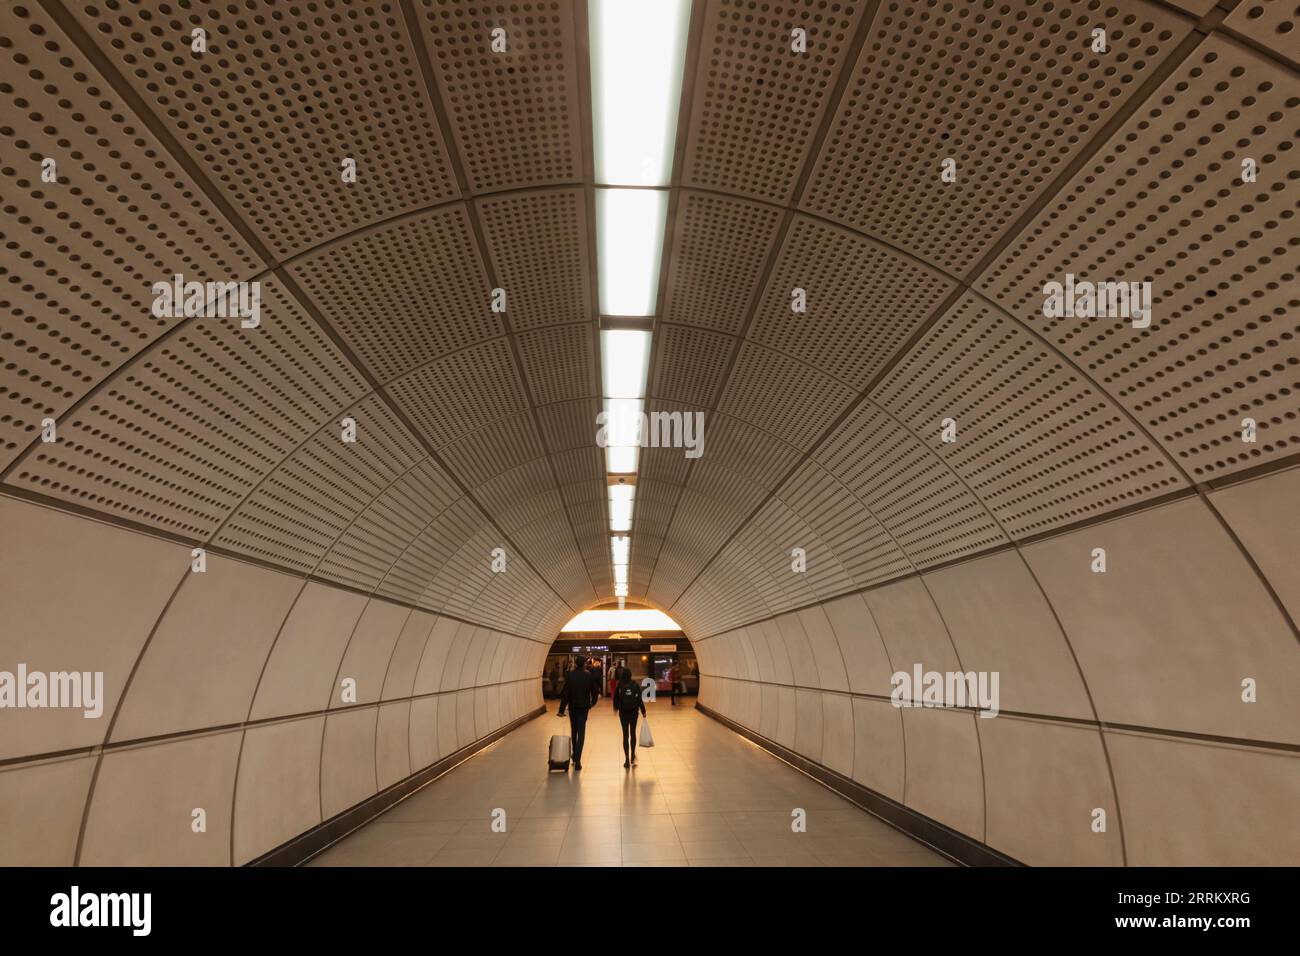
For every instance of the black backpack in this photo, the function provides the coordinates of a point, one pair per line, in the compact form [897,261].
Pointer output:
[629,697]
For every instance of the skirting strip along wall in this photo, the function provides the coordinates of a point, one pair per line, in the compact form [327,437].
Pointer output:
[311,842]
[957,846]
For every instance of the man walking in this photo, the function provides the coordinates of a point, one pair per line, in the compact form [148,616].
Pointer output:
[580,692]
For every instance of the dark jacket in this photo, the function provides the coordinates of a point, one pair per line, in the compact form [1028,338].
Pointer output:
[619,695]
[579,690]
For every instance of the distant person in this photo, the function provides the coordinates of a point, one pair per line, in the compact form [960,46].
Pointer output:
[580,693]
[598,673]
[628,704]
[674,677]
[568,669]
[554,678]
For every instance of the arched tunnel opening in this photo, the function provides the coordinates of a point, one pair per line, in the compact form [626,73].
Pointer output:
[904,393]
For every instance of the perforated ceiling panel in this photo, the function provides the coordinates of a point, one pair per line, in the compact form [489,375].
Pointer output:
[284,94]
[406,294]
[178,437]
[1165,203]
[81,254]
[541,255]
[301,509]
[1038,444]
[1019,89]
[932,515]
[514,111]
[861,302]
[719,249]
[757,109]
[827,301]
[1273,23]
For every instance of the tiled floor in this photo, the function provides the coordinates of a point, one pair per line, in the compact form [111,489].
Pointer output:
[703,796]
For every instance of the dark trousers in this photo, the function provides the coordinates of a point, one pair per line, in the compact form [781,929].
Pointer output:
[629,733]
[577,730]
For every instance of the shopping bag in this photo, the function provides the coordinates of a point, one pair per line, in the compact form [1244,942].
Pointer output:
[646,740]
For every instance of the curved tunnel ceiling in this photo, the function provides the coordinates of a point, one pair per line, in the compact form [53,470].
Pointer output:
[823,429]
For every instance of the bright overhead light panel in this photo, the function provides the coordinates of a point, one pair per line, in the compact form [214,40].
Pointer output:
[621,460]
[633,619]
[629,240]
[620,575]
[638,48]
[619,546]
[620,507]
[622,434]
[625,357]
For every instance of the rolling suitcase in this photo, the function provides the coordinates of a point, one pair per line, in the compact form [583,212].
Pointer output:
[561,747]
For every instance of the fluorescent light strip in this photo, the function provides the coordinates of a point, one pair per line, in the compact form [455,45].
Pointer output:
[638,53]
[620,507]
[624,359]
[638,49]
[629,241]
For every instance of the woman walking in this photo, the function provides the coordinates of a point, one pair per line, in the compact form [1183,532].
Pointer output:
[628,704]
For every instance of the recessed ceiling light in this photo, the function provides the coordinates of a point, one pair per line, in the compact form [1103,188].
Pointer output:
[622,434]
[629,239]
[619,546]
[638,49]
[624,359]
[620,507]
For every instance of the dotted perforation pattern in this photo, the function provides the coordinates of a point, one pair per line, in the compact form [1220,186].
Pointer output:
[862,301]
[569,425]
[769,538]
[283,94]
[520,495]
[859,542]
[407,294]
[1008,90]
[1036,442]
[689,364]
[549,543]
[461,392]
[581,472]
[540,255]
[670,465]
[82,253]
[300,509]
[789,400]
[514,114]
[736,575]
[746,450]
[464,577]
[560,362]
[380,534]
[758,104]
[717,255]
[931,515]
[1274,24]
[494,449]
[432,548]
[1165,203]
[179,437]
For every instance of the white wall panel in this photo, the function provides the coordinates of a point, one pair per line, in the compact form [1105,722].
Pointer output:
[202,666]
[84,578]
